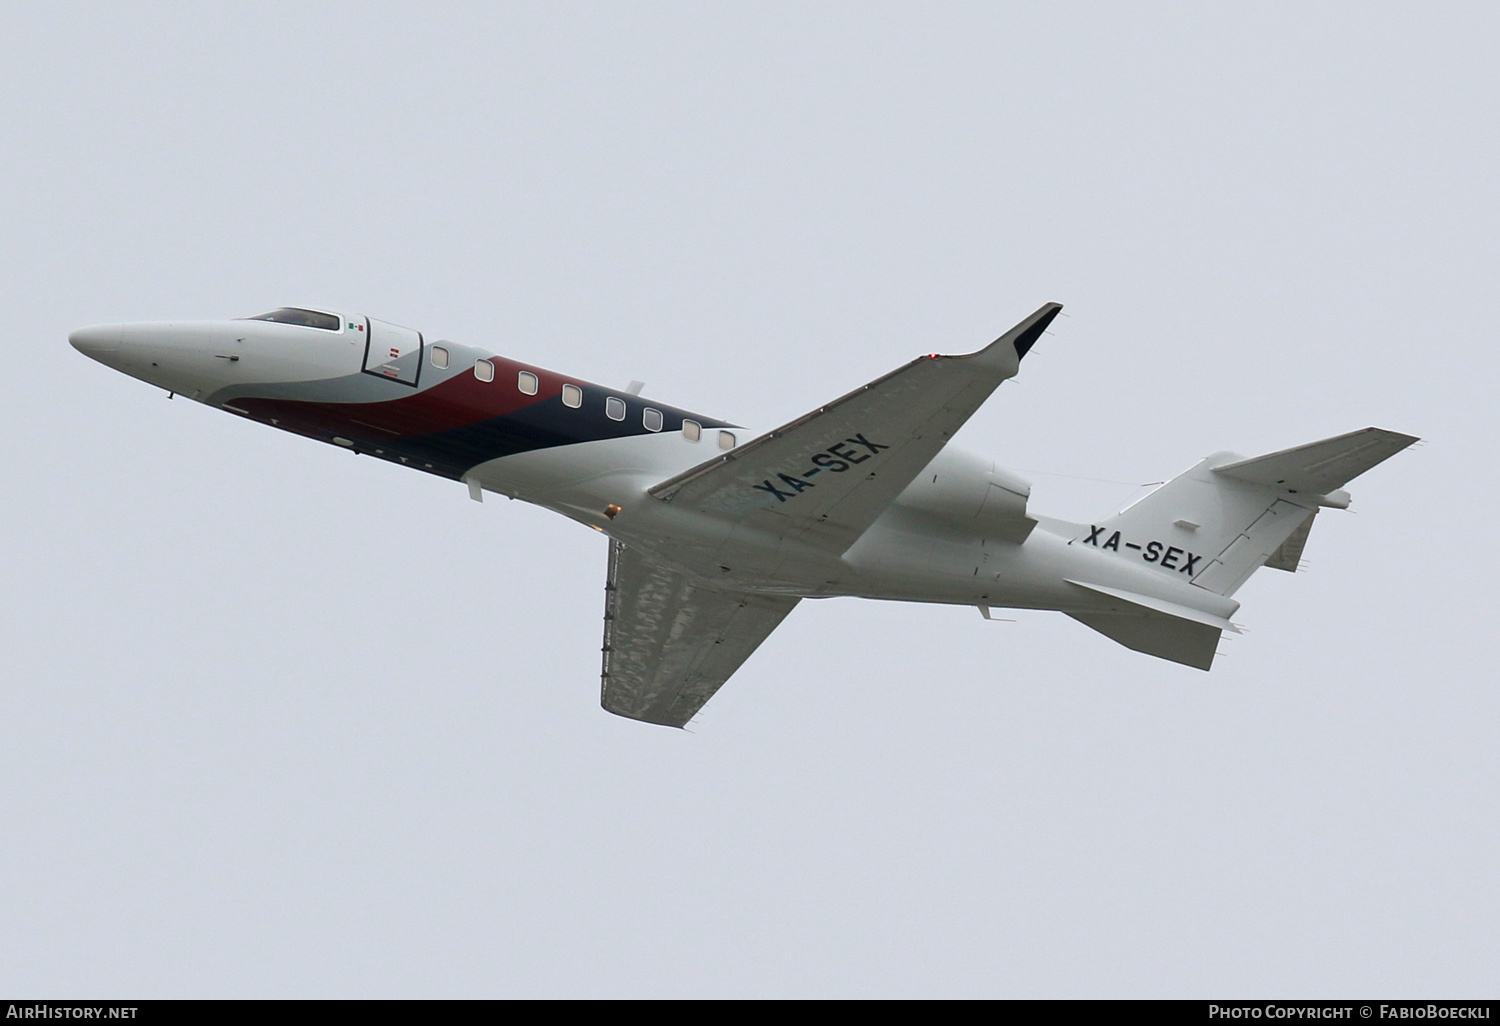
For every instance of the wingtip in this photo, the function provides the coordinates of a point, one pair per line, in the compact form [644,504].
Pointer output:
[1409,439]
[1024,335]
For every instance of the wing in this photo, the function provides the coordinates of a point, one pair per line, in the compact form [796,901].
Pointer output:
[824,478]
[668,644]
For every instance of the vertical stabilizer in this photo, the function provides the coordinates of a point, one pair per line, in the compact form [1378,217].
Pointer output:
[1228,516]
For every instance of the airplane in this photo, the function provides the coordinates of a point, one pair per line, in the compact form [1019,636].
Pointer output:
[718,531]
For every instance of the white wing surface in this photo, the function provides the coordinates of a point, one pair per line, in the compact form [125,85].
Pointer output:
[825,477]
[1321,467]
[668,644]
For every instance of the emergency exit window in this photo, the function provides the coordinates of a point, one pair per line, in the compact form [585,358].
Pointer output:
[526,382]
[614,408]
[439,357]
[484,370]
[572,396]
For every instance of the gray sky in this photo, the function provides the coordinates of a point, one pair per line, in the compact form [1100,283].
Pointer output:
[279,721]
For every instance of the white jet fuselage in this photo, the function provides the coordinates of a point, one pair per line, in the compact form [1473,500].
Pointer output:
[936,543]
[718,530]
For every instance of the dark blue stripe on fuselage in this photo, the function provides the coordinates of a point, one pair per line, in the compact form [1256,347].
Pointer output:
[542,425]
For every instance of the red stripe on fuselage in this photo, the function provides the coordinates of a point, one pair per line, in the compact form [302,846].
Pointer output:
[458,402]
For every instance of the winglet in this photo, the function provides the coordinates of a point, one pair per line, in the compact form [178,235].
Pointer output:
[1004,354]
[1024,335]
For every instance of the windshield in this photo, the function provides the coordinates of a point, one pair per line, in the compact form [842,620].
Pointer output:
[299,316]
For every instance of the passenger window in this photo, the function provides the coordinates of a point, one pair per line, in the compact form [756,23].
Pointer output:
[439,357]
[651,419]
[572,396]
[526,382]
[484,370]
[726,440]
[614,408]
[692,430]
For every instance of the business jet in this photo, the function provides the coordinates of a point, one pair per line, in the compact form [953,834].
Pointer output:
[717,531]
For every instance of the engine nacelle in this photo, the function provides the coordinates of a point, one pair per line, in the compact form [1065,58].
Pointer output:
[972,493]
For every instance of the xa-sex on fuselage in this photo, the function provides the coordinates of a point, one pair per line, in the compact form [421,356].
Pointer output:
[960,533]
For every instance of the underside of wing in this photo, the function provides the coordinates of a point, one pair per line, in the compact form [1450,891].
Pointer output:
[826,477]
[668,644]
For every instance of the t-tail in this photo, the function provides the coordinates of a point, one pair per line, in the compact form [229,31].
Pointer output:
[1225,518]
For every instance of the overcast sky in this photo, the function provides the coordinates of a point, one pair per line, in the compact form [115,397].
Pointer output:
[281,721]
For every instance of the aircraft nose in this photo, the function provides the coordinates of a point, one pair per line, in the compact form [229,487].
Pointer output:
[97,339]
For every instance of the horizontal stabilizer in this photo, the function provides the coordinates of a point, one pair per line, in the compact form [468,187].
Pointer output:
[1167,630]
[1320,467]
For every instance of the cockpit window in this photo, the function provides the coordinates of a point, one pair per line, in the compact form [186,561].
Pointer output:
[299,316]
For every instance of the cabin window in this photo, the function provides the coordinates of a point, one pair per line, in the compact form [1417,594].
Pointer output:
[439,357]
[614,408]
[484,370]
[572,396]
[651,419]
[692,430]
[726,440]
[526,382]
